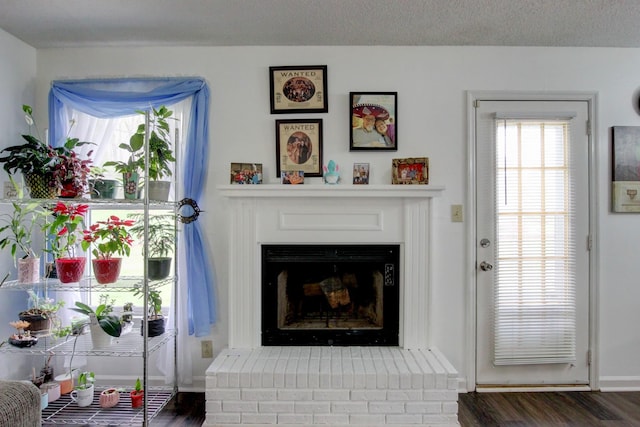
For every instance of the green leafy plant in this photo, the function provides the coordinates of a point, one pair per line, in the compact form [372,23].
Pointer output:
[66,228]
[110,323]
[32,157]
[85,380]
[43,306]
[160,151]
[161,229]
[109,237]
[135,162]
[19,227]
[138,386]
[154,300]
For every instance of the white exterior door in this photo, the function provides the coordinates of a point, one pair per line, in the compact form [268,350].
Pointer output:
[532,255]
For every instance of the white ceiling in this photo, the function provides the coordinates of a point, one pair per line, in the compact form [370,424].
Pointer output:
[71,23]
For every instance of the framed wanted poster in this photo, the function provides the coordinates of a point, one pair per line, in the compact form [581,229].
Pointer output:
[298,89]
[299,146]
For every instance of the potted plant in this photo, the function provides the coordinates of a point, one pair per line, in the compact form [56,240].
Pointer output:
[100,186]
[66,231]
[18,229]
[160,151]
[155,319]
[41,313]
[22,337]
[34,159]
[70,172]
[161,229]
[109,238]
[83,393]
[130,169]
[109,397]
[101,320]
[137,395]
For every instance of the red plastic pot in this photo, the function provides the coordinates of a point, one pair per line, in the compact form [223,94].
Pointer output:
[106,270]
[137,398]
[70,270]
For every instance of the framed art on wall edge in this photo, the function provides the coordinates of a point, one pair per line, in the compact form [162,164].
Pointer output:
[298,89]
[299,146]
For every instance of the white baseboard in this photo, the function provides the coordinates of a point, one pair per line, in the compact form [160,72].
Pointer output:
[622,383]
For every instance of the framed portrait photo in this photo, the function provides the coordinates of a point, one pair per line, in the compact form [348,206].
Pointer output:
[246,173]
[299,146]
[374,121]
[360,173]
[298,89]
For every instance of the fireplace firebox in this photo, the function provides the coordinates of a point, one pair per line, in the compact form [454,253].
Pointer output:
[330,295]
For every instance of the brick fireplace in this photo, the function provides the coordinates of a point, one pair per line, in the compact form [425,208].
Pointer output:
[408,384]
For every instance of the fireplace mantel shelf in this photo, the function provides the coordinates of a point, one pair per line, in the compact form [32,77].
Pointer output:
[350,191]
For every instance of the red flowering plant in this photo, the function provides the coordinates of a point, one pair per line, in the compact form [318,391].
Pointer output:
[110,237]
[66,228]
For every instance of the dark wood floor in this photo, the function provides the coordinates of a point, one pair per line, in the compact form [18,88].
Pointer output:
[547,409]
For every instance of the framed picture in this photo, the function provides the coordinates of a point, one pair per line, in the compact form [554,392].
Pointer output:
[298,89]
[246,173]
[626,169]
[292,177]
[374,121]
[360,173]
[299,146]
[413,170]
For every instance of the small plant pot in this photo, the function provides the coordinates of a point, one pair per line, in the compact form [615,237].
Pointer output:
[103,188]
[70,191]
[44,400]
[106,270]
[130,185]
[99,338]
[159,190]
[158,268]
[38,324]
[70,270]
[137,398]
[109,398]
[23,342]
[39,188]
[83,396]
[53,389]
[156,327]
[66,383]
[28,270]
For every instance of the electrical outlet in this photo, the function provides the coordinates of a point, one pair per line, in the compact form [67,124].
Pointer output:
[456,213]
[207,349]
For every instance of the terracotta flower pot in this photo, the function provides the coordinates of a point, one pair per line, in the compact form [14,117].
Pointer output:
[70,270]
[106,270]
[137,398]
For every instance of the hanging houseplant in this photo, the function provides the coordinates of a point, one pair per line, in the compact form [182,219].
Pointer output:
[109,238]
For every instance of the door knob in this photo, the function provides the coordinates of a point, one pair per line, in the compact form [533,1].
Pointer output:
[485,266]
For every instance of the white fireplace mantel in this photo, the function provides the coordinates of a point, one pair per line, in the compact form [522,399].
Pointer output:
[350,214]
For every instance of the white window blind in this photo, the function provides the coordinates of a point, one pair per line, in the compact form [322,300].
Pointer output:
[534,289]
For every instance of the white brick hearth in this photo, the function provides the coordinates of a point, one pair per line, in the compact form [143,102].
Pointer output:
[251,385]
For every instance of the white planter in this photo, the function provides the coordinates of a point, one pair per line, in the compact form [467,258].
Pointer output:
[99,338]
[28,270]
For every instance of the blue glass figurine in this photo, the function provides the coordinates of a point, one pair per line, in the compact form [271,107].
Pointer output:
[331,174]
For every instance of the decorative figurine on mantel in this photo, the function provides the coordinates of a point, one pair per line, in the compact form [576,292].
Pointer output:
[331,174]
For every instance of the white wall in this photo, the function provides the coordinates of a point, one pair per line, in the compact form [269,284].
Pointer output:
[17,77]
[431,84]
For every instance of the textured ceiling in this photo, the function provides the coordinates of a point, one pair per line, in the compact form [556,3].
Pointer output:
[70,23]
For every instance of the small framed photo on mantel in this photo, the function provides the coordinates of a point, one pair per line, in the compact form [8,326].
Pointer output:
[298,89]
